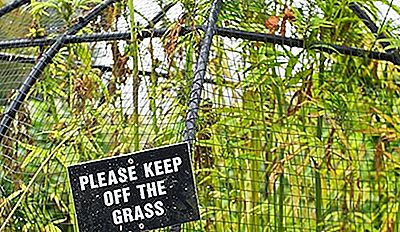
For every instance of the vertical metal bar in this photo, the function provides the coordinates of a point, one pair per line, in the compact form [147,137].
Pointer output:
[198,80]
[12,6]
[44,60]
[199,74]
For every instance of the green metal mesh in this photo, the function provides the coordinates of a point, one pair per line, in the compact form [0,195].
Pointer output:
[289,138]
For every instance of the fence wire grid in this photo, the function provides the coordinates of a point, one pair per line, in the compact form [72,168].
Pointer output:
[291,107]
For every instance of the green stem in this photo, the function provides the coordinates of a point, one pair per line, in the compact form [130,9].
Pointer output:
[153,90]
[134,48]
[318,198]
[397,223]
[281,189]
[318,190]
[268,144]
[33,179]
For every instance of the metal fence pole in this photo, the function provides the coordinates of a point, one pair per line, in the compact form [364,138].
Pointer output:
[12,6]
[198,80]
[199,74]
[44,60]
[361,14]
[226,32]
[294,42]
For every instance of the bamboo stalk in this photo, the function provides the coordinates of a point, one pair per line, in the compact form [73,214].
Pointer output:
[318,197]
[318,188]
[153,90]
[397,222]
[133,52]
[281,188]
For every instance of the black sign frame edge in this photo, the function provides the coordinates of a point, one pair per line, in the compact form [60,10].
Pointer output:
[132,153]
[193,178]
[135,152]
[76,224]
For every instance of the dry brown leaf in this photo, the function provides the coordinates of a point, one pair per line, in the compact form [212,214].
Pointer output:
[171,39]
[288,14]
[302,95]
[328,150]
[110,15]
[121,69]
[272,23]
[283,28]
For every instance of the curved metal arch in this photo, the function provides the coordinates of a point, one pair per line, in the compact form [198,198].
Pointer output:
[361,14]
[44,60]
[12,6]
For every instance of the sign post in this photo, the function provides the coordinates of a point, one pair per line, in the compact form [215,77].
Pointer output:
[135,192]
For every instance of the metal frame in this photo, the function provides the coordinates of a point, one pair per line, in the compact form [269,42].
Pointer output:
[361,14]
[12,6]
[198,80]
[291,42]
[95,37]
[45,59]
[268,38]
[56,45]
[201,66]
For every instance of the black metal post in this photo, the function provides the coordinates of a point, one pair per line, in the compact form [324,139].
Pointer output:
[198,80]
[268,38]
[373,28]
[18,43]
[363,16]
[44,60]
[293,42]
[199,74]
[95,37]
[12,6]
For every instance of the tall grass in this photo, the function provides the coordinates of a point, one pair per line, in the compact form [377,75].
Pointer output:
[288,140]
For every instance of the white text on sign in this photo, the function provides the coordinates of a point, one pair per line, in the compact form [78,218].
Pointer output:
[135,174]
[128,174]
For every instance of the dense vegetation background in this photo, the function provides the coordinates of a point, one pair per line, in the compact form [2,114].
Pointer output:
[288,139]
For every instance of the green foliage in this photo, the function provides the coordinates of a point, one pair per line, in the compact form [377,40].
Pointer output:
[287,140]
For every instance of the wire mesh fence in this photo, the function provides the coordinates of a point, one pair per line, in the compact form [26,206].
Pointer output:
[291,107]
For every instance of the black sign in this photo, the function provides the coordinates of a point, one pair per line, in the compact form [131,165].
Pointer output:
[135,192]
